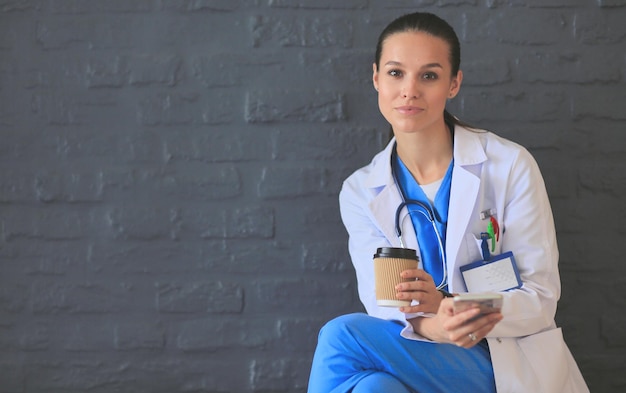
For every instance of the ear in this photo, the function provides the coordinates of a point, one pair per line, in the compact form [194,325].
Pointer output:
[455,85]
[375,76]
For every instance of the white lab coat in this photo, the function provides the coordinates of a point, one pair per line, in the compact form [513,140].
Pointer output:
[527,349]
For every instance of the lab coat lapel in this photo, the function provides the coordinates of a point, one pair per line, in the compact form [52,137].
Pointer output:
[468,157]
[383,206]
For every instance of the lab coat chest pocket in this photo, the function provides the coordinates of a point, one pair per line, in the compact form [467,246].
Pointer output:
[546,352]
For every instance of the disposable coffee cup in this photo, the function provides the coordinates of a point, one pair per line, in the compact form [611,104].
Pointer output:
[389,262]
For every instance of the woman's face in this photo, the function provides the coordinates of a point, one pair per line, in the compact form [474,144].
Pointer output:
[415,81]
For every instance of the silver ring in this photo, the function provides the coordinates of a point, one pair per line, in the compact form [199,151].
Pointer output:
[472,337]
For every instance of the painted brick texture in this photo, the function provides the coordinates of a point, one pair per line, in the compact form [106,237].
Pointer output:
[169,173]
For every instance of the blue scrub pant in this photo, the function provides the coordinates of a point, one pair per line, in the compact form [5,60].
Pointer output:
[362,354]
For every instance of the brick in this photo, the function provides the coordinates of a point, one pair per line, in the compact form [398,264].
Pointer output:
[556,3]
[324,215]
[251,222]
[295,294]
[16,185]
[144,258]
[239,257]
[51,258]
[605,140]
[222,144]
[291,105]
[560,180]
[68,187]
[341,65]
[85,298]
[195,181]
[200,5]
[611,3]
[326,257]
[139,335]
[486,72]
[34,337]
[12,298]
[569,67]
[183,109]
[16,6]
[145,147]
[96,33]
[190,375]
[536,136]
[604,177]
[202,181]
[507,27]
[77,375]
[110,6]
[60,110]
[291,182]
[511,104]
[71,144]
[209,335]
[392,4]
[303,32]
[607,103]
[595,28]
[105,72]
[279,375]
[142,222]
[319,143]
[45,223]
[89,336]
[445,3]
[147,69]
[8,70]
[200,297]
[235,69]
[323,4]
[11,377]
[297,334]
[56,110]
[613,329]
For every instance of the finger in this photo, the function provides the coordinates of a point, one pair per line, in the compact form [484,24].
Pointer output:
[462,320]
[417,274]
[414,286]
[477,330]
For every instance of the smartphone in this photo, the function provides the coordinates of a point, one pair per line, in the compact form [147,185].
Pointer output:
[486,302]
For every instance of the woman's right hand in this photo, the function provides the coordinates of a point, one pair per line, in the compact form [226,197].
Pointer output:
[459,329]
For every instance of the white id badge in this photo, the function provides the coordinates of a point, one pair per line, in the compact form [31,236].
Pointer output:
[497,274]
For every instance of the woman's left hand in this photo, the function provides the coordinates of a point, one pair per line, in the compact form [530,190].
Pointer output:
[423,290]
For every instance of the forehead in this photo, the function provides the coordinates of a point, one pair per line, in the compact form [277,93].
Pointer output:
[415,47]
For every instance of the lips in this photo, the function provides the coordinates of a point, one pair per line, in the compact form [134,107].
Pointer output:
[409,110]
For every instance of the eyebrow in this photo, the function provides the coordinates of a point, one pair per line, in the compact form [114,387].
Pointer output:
[429,65]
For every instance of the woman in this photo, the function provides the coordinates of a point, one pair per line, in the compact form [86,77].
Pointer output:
[474,183]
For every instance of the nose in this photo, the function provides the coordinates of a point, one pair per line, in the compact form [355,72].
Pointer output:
[410,89]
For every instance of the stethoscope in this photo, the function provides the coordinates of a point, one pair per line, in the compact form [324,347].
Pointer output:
[425,210]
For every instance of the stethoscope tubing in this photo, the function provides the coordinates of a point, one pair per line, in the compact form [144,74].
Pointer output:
[426,212]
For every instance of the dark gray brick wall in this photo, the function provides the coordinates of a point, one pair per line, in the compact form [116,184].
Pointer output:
[169,174]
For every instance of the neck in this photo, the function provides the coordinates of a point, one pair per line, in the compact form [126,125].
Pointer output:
[426,155]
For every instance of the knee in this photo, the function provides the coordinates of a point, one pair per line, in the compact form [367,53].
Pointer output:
[380,382]
[341,325]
